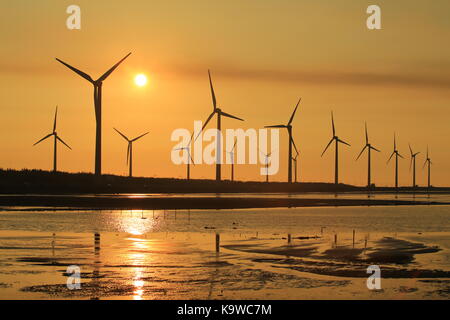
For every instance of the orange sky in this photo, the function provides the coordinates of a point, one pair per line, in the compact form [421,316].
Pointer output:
[263,56]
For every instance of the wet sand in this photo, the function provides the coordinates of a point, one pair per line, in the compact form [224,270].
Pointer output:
[179,202]
[171,254]
[186,266]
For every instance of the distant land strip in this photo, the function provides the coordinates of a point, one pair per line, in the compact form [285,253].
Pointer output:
[45,182]
[72,202]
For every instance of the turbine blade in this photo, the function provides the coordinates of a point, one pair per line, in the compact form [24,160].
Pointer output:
[293,143]
[277,126]
[54,122]
[192,160]
[61,140]
[342,141]
[293,113]
[107,73]
[190,141]
[205,124]
[391,157]
[137,138]
[367,135]
[128,151]
[410,150]
[400,156]
[332,124]
[373,148]
[234,145]
[410,163]
[395,144]
[213,95]
[47,136]
[424,163]
[124,136]
[329,143]
[361,152]
[230,116]
[80,73]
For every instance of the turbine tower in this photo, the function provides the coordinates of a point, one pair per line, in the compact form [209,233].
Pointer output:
[220,113]
[336,159]
[231,153]
[413,164]
[369,147]
[288,126]
[98,107]
[397,154]
[56,139]
[130,150]
[428,161]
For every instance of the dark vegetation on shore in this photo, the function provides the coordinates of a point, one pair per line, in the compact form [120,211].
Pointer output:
[46,182]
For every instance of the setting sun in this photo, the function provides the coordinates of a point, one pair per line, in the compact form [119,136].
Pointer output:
[140,80]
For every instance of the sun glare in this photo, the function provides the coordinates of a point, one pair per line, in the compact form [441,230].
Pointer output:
[140,80]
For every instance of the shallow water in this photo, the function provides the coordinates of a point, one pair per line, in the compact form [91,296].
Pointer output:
[157,254]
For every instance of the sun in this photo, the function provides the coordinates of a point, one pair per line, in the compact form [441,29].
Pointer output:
[140,80]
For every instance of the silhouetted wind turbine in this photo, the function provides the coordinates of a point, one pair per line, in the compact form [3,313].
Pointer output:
[369,147]
[56,138]
[337,141]
[288,126]
[187,148]
[397,154]
[130,150]
[428,160]
[219,113]
[413,163]
[266,157]
[98,107]
[231,153]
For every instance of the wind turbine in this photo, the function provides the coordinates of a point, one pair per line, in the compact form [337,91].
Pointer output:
[397,154]
[337,141]
[413,163]
[187,148]
[98,107]
[288,126]
[130,150]
[219,113]
[266,156]
[428,160]
[56,138]
[231,153]
[369,148]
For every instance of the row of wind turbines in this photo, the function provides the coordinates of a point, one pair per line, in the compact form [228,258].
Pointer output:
[217,111]
[369,147]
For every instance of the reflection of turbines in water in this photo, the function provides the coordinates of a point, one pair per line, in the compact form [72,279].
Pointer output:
[53,248]
[214,275]
[96,267]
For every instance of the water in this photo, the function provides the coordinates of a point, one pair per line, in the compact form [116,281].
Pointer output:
[170,254]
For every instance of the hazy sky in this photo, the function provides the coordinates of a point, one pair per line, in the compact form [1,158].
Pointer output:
[264,55]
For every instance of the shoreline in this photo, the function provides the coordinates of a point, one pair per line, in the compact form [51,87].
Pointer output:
[74,202]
